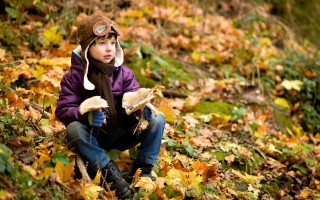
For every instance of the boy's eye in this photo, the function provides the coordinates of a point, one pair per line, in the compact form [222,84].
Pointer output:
[101,43]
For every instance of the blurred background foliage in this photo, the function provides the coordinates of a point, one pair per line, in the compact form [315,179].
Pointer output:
[44,24]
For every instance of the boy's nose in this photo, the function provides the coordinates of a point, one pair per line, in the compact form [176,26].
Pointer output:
[108,48]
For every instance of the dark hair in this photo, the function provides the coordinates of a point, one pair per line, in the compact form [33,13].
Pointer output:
[108,36]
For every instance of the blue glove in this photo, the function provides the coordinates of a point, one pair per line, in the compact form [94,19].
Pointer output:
[96,118]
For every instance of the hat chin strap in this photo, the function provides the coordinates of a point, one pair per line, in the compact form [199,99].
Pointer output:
[118,59]
[86,83]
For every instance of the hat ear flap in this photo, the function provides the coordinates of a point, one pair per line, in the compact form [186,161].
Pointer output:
[118,59]
[86,83]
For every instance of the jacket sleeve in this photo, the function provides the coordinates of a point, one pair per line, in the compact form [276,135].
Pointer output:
[69,101]
[130,84]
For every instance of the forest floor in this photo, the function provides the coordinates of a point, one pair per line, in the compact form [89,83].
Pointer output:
[236,98]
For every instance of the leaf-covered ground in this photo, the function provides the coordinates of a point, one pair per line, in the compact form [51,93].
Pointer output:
[240,100]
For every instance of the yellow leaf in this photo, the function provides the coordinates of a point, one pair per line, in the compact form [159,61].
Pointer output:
[12,74]
[175,178]
[2,53]
[282,102]
[248,178]
[170,114]
[30,170]
[46,173]
[64,171]
[146,183]
[25,139]
[43,158]
[180,180]
[271,149]
[5,195]
[195,56]
[39,71]
[137,174]
[219,119]
[52,35]
[90,191]
[134,14]
[294,84]
[296,130]
[97,179]
[57,61]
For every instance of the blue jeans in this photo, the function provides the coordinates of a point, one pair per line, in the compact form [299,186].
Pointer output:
[91,142]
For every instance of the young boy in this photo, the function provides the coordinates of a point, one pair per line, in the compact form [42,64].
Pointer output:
[97,70]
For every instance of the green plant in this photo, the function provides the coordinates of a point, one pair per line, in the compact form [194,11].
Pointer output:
[296,65]
[5,165]
[183,147]
[16,9]
[13,125]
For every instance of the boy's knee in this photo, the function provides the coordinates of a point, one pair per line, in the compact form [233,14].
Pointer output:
[159,121]
[73,130]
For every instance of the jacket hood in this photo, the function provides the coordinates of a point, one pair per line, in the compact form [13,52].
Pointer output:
[76,60]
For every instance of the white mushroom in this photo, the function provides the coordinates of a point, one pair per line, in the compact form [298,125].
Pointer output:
[93,103]
[133,101]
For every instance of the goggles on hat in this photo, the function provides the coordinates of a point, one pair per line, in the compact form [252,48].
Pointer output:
[104,27]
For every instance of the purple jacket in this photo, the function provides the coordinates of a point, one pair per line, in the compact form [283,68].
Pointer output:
[73,93]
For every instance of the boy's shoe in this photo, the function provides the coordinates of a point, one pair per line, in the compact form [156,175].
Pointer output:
[112,174]
[145,169]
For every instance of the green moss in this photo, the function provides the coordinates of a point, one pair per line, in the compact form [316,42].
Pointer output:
[271,188]
[217,107]
[283,121]
[143,80]
[175,70]
[164,69]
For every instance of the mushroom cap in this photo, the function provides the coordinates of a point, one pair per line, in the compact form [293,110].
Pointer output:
[93,103]
[133,101]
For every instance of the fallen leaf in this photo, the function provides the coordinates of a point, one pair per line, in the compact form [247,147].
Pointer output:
[230,159]
[170,114]
[64,171]
[282,102]
[294,84]
[146,183]
[15,100]
[53,35]
[90,191]
[248,178]
[191,103]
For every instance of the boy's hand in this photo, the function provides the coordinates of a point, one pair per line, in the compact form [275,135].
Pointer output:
[96,118]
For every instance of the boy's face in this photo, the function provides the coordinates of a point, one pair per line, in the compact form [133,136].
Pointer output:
[103,49]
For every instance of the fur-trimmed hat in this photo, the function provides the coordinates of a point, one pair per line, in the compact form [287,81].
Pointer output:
[90,29]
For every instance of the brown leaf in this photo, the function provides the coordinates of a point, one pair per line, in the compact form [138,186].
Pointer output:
[230,159]
[178,165]
[15,100]
[207,172]
[309,74]
[191,103]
